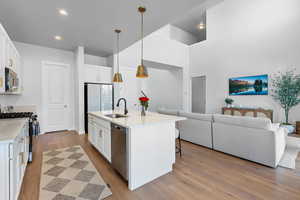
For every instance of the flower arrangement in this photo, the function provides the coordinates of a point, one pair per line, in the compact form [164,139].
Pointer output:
[144,101]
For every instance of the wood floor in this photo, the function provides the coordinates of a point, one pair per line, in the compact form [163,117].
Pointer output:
[200,174]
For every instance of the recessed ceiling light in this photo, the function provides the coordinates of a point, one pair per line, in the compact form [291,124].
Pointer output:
[63,12]
[201,26]
[57,37]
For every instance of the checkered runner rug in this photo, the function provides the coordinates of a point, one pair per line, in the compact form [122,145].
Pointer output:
[68,174]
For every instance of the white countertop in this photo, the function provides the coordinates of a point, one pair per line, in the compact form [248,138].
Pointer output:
[11,128]
[134,118]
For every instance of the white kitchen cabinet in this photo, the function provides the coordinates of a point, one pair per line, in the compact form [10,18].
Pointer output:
[98,74]
[107,144]
[90,129]
[99,136]
[2,59]
[10,58]
[13,162]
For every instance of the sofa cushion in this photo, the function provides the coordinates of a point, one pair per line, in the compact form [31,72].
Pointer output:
[250,122]
[197,116]
[167,111]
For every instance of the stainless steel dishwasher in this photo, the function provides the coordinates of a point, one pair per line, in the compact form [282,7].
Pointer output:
[119,158]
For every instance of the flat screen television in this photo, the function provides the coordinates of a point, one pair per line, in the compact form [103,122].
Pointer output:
[249,85]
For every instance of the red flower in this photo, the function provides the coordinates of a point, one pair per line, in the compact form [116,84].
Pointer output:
[144,99]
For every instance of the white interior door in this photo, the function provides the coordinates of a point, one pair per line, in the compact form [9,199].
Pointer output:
[55,90]
[199,94]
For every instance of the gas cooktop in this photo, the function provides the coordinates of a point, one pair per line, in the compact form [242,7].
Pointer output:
[15,115]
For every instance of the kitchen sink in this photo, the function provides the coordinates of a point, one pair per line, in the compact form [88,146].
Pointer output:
[115,115]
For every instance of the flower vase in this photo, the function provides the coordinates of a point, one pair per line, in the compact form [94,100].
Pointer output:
[143,112]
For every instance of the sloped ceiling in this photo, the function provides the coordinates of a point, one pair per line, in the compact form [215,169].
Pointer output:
[90,22]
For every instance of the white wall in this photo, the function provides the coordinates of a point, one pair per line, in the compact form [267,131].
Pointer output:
[247,38]
[164,88]
[32,57]
[79,74]
[182,36]
[159,48]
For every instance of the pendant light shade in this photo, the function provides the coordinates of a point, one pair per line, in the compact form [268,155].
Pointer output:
[118,76]
[142,71]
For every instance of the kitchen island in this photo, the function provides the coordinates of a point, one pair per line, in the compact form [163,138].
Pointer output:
[150,146]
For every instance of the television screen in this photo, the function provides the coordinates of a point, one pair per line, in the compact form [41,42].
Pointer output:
[249,85]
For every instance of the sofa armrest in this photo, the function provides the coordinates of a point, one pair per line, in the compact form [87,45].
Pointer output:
[280,143]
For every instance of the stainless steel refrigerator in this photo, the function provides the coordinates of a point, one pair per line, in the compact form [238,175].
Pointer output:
[97,97]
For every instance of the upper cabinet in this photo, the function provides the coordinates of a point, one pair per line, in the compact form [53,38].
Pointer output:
[2,59]
[10,65]
[98,74]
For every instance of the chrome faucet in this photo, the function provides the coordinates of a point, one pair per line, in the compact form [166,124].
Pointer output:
[125,109]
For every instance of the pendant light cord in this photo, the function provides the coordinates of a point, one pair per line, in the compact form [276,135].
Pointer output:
[118,48]
[142,38]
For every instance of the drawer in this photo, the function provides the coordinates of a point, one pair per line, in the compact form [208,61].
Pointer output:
[102,123]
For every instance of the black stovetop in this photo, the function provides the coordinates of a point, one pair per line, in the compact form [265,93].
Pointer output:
[12,115]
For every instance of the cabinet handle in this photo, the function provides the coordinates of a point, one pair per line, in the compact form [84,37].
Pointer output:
[100,133]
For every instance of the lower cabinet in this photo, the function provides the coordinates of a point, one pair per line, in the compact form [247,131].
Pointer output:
[99,136]
[13,162]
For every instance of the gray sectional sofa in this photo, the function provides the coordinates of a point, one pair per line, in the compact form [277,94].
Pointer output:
[255,139]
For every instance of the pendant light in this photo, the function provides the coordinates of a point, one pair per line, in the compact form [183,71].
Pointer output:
[118,76]
[142,71]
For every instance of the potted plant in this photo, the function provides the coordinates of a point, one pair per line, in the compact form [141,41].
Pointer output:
[286,91]
[144,101]
[229,102]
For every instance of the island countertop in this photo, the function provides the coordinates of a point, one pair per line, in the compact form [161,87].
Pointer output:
[11,128]
[134,118]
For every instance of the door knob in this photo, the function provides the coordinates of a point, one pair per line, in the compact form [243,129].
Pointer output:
[65,106]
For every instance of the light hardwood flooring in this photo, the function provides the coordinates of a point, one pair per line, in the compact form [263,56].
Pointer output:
[200,174]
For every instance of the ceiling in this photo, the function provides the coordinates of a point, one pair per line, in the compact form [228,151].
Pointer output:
[90,22]
[190,21]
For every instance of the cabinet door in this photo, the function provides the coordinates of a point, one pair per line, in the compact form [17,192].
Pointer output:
[14,169]
[93,135]
[23,153]
[26,145]
[107,145]
[19,71]
[99,138]
[90,128]
[105,75]
[8,54]
[2,61]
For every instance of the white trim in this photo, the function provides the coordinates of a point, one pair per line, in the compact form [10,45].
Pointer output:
[43,118]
